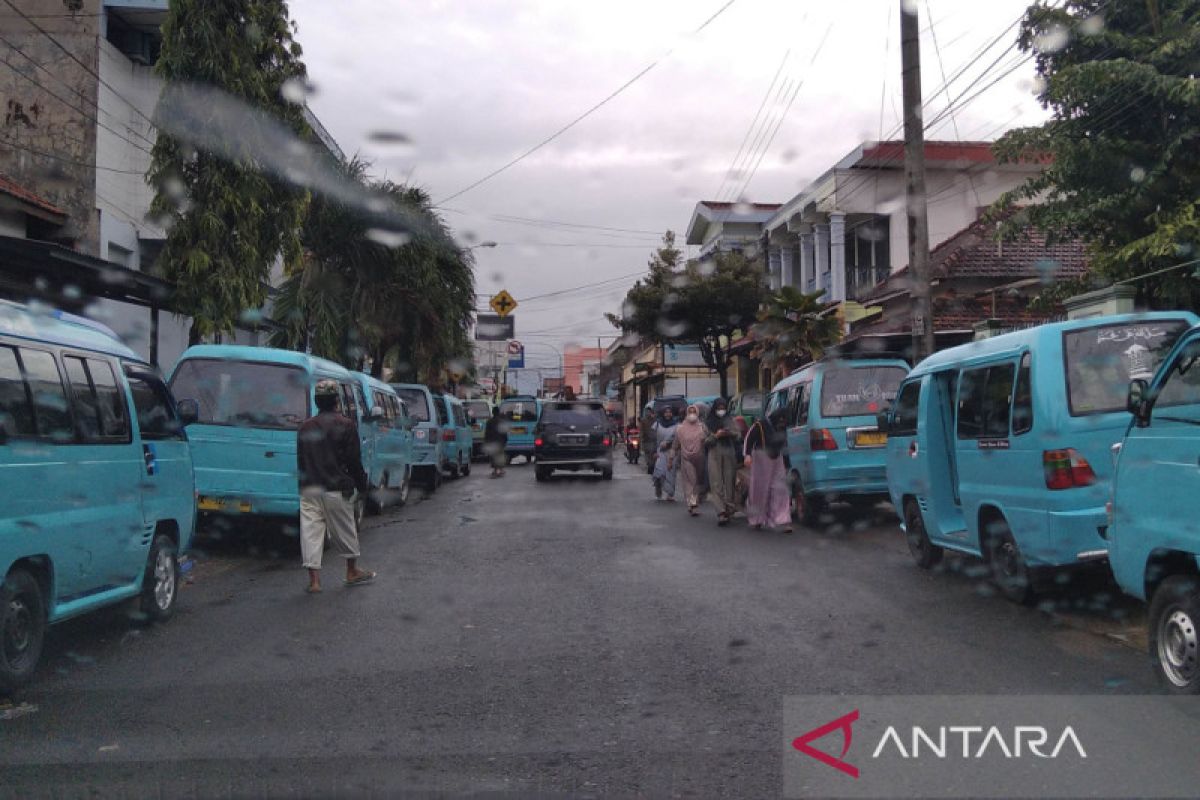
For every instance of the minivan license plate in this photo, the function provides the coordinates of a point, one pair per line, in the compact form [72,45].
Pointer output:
[221,504]
[870,439]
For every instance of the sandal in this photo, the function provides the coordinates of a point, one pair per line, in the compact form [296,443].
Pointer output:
[312,590]
[365,577]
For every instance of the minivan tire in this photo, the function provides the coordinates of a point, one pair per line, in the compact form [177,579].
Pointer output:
[22,628]
[925,553]
[405,487]
[465,468]
[1174,634]
[1010,573]
[806,508]
[434,482]
[160,586]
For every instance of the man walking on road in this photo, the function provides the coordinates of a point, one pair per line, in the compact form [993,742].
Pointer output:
[495,440]
[331,471]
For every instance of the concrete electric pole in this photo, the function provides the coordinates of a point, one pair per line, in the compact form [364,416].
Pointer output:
[914,173]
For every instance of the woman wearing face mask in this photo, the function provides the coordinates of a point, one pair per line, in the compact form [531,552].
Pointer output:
[665,466]
[766,456]
[689,455]
[723,458]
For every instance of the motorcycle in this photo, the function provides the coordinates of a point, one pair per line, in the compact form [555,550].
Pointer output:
[633,450]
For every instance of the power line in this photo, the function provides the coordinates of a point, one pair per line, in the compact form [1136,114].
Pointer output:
[942,68]
[579,118]
[753,124]
[66,160]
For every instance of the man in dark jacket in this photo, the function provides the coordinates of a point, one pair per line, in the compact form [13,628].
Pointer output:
[495,440]
[331,472]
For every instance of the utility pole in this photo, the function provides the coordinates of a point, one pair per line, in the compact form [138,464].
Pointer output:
[914,174]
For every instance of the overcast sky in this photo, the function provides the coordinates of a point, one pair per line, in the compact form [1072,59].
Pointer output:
[474,83]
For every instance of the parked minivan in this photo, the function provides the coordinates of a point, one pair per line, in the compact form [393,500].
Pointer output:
[386,433]
[834,443]
[1154,520]
[427,432]
[478,414]
[96,478]
[250,403]
[1001,448]
[522,414]
[456,435]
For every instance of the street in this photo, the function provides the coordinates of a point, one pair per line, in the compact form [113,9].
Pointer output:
[573,638]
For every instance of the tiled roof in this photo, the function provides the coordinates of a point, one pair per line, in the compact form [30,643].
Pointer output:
[14,189]
[961,313]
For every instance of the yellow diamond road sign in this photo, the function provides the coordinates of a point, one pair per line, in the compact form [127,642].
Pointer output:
[503,303]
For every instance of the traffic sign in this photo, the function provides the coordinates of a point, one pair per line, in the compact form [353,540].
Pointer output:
[503,303]
[516,355]
[493,328]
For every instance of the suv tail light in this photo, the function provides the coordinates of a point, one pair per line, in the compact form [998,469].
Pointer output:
[608,441]
[821,439]
[1066,469]
[538,442]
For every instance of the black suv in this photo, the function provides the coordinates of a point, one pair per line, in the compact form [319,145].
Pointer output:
[573,435]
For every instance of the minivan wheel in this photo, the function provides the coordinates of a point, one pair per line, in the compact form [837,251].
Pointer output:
[375,496]
[465,469]
[435,478]
[1010,573]
[1174,636]
[160,587]
[806,508]
[22,628]
[405,486]
[923,551]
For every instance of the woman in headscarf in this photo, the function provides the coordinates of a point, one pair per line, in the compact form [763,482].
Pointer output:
[665,467]
[689,456]
[723,444]
[766,455]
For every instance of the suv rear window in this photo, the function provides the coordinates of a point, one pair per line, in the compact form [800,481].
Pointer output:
[1102,361]
[581,416]
[417,402]
[859,391]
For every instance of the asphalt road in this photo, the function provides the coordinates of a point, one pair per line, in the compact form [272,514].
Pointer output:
[574,638]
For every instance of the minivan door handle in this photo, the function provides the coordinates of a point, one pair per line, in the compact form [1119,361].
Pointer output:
[150,457]
[269,453]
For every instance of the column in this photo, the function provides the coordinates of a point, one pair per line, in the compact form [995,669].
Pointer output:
[821,247]
[808,279]
[837,256]
[773,267]
[788,253]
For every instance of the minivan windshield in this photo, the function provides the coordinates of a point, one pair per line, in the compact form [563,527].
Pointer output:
[858,391]
[253,395]
[480,409]
[1102,361]
[417,401]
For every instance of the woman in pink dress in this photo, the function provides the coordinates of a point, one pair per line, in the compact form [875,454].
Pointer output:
[769,502]
[689,455]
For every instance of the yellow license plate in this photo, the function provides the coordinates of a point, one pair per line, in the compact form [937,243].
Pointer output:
[222,504]
[871,438]
[517,430]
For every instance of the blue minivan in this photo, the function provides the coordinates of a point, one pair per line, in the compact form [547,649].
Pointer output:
[427,432]
[457,437]
[96,480]
[250,403]
[835,446]
[1001,448]
[522,413]
[1154,519]
[387,443]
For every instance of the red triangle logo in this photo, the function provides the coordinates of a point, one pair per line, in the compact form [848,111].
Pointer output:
[843,724]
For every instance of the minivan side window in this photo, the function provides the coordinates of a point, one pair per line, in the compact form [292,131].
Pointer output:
[50,406]
[99,402]
[1181,385]
[1022,415]
[16,410]
[155,414]
[904,421]
[443,416]
[985,401]
[798,399]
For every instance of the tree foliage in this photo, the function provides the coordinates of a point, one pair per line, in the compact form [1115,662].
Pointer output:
[228,220]
[702,303]
[791,329]
[1123,143]
[364,294]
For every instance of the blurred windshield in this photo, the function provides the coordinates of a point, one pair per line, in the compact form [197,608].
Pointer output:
[1102,361]
[418,403]
[245,394]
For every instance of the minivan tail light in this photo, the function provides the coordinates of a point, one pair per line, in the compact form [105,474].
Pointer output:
[448,435]
[1066,469]
[821,439]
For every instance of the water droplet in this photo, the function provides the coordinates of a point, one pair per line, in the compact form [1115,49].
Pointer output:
[1092,26]
[389,138]
[296,90]
[388,238]
[1052,39]
[1137,174]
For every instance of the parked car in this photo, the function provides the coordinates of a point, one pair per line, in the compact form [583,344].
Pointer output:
[573,436]
[1001,448]
[456,435]
[748,405]
[387,443]
[250,402]
[98,485]
[427,432]
[522,413]
[1154,517]
[478,413]
[834,443]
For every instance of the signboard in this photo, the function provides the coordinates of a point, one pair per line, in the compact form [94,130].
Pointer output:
[516,355]
[503,303]
[494,328]
[683,355]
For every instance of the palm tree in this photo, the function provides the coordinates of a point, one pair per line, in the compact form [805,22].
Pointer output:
[791,330]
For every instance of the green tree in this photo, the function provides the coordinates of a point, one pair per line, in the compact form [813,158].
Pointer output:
[1122,147]
[228,220]
[792,331]
[703,303]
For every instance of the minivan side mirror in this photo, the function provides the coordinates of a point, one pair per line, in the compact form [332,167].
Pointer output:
[1138,402]
[883,420]
[188,411]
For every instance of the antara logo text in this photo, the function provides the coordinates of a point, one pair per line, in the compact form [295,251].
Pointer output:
[944,742]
